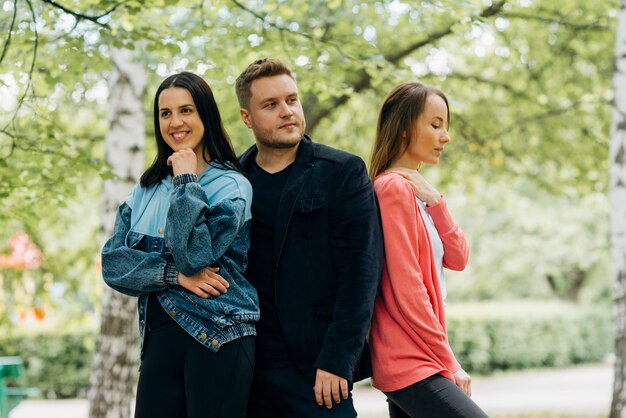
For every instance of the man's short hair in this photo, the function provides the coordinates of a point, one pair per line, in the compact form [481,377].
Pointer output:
[266,67]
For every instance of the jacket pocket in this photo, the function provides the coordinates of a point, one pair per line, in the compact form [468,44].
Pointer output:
[133,240]
[309,204]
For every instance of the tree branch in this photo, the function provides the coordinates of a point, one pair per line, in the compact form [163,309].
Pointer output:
[282,29]
[490,11]
[31,70]
[363,81]
[11,135]
[13,143]
[592,24]
[549,113]
[470,135]
[5,48]
[264,19]
[494,83]
[435,36]
[80,16]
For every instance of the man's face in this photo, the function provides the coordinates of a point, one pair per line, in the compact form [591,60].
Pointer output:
[275,115]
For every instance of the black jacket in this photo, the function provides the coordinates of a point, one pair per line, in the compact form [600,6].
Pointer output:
[328,255]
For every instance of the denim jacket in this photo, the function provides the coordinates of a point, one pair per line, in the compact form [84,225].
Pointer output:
[184,225]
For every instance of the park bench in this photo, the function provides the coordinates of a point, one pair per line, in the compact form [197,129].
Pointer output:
[10,397]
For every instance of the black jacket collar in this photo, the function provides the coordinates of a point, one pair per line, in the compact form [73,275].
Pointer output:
[304,155]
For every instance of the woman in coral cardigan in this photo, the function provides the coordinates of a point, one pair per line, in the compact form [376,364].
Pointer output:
[412,361]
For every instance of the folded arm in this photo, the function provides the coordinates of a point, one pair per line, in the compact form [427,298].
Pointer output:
[130,270]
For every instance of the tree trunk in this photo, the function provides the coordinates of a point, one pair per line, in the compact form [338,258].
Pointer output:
[617,194]
[577,279]
[114,371]
[569,286]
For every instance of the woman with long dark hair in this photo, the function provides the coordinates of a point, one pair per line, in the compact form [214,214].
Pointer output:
[412,361]
[187,218]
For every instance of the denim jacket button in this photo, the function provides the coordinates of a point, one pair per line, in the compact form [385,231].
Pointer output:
[203,336]
[172,313]
[215,343]
[160,230]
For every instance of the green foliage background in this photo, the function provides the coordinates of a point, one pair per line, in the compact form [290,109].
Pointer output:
[485,338]
[499,336]
[528,81]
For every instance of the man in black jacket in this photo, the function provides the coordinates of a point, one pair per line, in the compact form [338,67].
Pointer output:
[315,257]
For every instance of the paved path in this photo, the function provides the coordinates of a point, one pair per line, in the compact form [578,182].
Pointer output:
[583,391]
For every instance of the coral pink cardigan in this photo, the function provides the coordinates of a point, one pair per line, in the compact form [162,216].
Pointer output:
[408,335]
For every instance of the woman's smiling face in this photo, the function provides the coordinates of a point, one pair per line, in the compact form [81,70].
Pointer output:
[179,121]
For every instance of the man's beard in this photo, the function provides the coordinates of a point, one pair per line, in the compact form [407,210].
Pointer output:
[276,143]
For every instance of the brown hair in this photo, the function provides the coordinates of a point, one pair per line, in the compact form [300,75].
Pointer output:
[266,67]
[396,122]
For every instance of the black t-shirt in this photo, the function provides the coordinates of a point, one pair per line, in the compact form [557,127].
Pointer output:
[271,348]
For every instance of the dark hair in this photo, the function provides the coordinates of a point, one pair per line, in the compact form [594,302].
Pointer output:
[266,67]
[215,142]
[396,122]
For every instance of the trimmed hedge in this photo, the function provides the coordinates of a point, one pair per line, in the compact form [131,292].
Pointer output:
[485,337]
[55,362]
[494,336]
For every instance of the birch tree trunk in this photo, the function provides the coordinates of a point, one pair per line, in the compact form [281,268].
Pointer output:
[114,371]
[617,194]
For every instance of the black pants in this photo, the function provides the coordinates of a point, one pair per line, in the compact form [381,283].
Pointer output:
[432,397]
[285,393]
[180,378]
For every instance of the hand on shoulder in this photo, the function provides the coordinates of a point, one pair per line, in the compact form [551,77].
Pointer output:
[421,187]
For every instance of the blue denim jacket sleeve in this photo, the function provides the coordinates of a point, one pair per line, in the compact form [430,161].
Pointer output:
[133,271]
[198,234]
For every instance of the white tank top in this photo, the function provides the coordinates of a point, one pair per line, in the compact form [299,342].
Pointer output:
[437,245]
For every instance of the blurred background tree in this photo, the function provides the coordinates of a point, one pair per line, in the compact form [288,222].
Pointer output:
[617,195]
[529,84]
